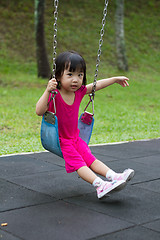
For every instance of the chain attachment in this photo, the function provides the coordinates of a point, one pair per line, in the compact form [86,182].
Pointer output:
[53,95]
[91,100]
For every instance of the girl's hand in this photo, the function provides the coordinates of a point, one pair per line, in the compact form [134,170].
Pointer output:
[52,85]
[123,81]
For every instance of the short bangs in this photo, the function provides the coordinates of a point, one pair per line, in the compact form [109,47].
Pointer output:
[75,63]
[71,61]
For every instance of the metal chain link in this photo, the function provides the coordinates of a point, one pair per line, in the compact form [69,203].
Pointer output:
[100,46]
[53,93]
[55,36]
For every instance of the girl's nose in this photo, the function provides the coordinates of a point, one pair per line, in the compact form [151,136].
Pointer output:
[75,79]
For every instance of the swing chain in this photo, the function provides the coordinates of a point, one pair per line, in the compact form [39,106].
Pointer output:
[98,56]
[55,36]
[100,46]
[53,93]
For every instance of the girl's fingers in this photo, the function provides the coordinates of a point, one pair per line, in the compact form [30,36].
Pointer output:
[52,84]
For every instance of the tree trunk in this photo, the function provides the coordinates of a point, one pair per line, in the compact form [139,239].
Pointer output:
[120,42]
[41,53]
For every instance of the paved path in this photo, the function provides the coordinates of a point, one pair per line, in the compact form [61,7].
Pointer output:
[40,201]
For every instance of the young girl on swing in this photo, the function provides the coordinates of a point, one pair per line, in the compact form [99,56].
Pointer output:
[70,84]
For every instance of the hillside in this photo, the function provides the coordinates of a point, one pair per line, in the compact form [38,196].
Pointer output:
[78,28]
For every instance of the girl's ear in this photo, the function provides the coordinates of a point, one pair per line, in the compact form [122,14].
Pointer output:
[59,84]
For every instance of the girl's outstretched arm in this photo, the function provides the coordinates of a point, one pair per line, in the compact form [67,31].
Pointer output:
[123,81]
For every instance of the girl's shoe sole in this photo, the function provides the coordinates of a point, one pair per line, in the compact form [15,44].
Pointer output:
[115,188]
[130,176]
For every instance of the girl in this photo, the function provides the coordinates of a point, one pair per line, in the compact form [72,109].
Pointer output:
[70,84]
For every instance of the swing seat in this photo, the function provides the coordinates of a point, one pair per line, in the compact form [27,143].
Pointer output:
[85,125]
[49,133]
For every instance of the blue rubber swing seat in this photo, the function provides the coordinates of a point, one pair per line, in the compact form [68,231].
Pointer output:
[49,131]
[49,134]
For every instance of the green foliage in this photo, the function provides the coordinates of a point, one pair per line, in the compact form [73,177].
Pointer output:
[121,114]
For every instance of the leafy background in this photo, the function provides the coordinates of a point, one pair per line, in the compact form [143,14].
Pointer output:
[121,114]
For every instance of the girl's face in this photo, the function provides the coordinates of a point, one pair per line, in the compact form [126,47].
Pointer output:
[71,81]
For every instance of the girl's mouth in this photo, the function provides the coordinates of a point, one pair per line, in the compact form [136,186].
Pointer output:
[74,86]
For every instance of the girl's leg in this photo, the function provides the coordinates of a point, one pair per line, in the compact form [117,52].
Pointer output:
[87,174]
[99,168]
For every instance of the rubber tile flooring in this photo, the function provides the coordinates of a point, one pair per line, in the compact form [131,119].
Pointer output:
[40,201]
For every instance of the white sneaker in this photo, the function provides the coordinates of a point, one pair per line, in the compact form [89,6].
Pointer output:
[108,187]
[126,175]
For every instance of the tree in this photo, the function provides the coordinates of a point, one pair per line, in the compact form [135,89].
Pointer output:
[120,42]
[41,53]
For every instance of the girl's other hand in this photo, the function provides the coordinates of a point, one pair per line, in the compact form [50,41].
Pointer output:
[123,81]
[52,85]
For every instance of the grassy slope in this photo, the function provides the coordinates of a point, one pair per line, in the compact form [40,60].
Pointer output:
[121,114]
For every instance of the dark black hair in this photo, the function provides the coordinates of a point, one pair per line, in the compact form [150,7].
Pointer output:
[72,60]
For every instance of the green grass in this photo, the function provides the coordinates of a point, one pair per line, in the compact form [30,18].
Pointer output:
[121,114]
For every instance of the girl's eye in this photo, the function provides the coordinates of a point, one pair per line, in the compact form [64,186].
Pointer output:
[69,74]
[81,75]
